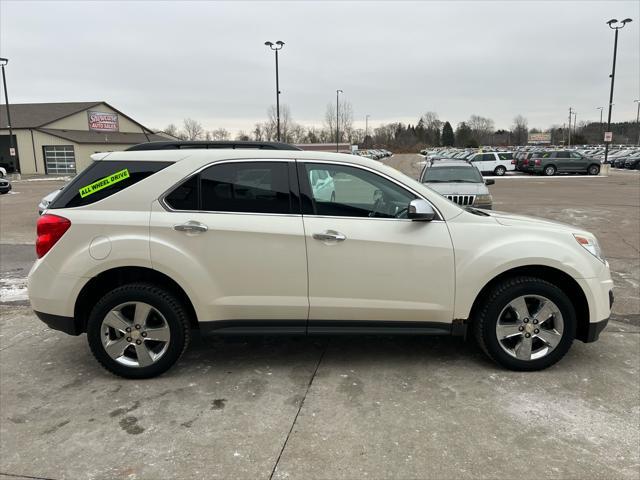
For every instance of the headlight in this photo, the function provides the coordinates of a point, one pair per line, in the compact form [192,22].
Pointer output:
[591,245]
[484,198]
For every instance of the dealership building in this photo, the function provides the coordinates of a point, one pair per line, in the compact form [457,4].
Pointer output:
[58,138]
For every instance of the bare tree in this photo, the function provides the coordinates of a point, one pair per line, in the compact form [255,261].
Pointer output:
[481,128]
[193,129]
[220,134]
[242,136]
[272,122]
[171,129]
[519,130]
[345,122]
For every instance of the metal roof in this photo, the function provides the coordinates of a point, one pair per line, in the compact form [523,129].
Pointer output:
[32,115]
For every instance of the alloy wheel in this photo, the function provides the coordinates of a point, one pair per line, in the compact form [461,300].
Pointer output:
[529,327]
[135,334]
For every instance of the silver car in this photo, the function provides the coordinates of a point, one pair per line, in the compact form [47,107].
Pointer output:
[459,181]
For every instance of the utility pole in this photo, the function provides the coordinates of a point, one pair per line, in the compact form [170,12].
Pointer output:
[12,147]
[601,131]
[570,113]
[338,120]
[638,119]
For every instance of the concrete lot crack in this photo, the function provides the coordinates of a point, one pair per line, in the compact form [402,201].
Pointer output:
[12,475]
[313,376]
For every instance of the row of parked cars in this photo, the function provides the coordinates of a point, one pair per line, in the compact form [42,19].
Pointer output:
[376,154]
[495,162]
[550,162]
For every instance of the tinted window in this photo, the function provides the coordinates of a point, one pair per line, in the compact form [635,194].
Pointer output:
[257,187]
[103,179]
[488,157]
[185,196]
[562,155]
[505,156]
[355,192]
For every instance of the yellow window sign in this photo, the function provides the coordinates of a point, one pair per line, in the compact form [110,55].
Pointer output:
[104,183]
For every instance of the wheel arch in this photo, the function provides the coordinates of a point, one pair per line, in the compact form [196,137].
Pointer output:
[115,277]
[560,279]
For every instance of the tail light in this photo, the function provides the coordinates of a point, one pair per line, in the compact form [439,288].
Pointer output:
[513,162]
[50,229]
[525,162]
[538,161]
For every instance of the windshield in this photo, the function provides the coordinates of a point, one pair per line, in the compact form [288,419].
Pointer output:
[464,174]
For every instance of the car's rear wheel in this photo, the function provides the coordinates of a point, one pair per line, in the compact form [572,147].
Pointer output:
[550,170]
[525,323]
[500,170]
[138,330]
[593,169]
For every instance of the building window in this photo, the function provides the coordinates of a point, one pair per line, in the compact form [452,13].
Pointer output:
[59,159]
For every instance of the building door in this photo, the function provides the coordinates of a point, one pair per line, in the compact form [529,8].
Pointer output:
[11,164]
[59,160]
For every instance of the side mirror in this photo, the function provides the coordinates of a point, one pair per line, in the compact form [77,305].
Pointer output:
[491,181]
[420,210]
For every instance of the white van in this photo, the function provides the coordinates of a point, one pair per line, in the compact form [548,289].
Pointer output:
[495,162]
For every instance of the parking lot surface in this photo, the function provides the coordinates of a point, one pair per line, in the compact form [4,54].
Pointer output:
[334,407]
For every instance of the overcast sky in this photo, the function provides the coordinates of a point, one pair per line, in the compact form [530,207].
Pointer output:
[160,62]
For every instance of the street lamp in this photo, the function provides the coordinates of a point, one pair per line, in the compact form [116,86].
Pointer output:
[612,26]
[601,132]
[276,48]
[638,119]
[12,149]
[366,128]
[338,92]
[570,115]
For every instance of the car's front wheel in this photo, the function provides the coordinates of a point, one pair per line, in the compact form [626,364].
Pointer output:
[138,330]
[525,323]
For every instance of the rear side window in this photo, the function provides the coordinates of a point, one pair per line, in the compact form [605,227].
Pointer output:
[505,156]
[242,187]
[103,179]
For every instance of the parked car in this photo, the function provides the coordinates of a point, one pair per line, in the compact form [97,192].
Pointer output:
[497,163]
[322,185]
[5,186]
[459,181]
[561,161]
[143,246]
[633,162]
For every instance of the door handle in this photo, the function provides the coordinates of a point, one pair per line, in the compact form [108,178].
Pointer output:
[330,235]
[191,226]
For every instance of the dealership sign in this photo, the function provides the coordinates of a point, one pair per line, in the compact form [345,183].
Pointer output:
[608,136]
[103,122]
[540,137]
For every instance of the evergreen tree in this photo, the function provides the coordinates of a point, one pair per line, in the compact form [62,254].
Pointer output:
[448,139]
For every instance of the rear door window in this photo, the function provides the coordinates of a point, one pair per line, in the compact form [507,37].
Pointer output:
[102,179]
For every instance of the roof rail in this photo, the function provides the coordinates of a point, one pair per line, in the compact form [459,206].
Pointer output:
[179,145]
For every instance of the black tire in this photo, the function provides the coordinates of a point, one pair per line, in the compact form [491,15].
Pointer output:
[593,169]
[500,170]
[486,318]
[549,171]
[166,303]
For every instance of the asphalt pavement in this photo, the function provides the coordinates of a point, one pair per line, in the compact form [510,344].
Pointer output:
[336,407]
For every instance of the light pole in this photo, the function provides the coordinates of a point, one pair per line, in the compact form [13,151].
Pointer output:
[611,24]
[276,48]
[601,131]
[575,124]
[12,149]
[569,138]
[338,92]
[638,119]
[366,128]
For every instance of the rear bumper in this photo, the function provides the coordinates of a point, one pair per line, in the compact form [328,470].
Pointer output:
[57,322]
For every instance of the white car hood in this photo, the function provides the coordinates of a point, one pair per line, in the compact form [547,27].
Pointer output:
[509,220]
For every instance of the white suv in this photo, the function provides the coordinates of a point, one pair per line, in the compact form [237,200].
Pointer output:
[497,163]
[144,246]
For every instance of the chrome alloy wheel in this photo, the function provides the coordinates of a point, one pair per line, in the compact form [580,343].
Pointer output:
[135,334]
[529,327]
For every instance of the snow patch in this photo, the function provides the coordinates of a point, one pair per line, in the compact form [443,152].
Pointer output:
[13,290]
